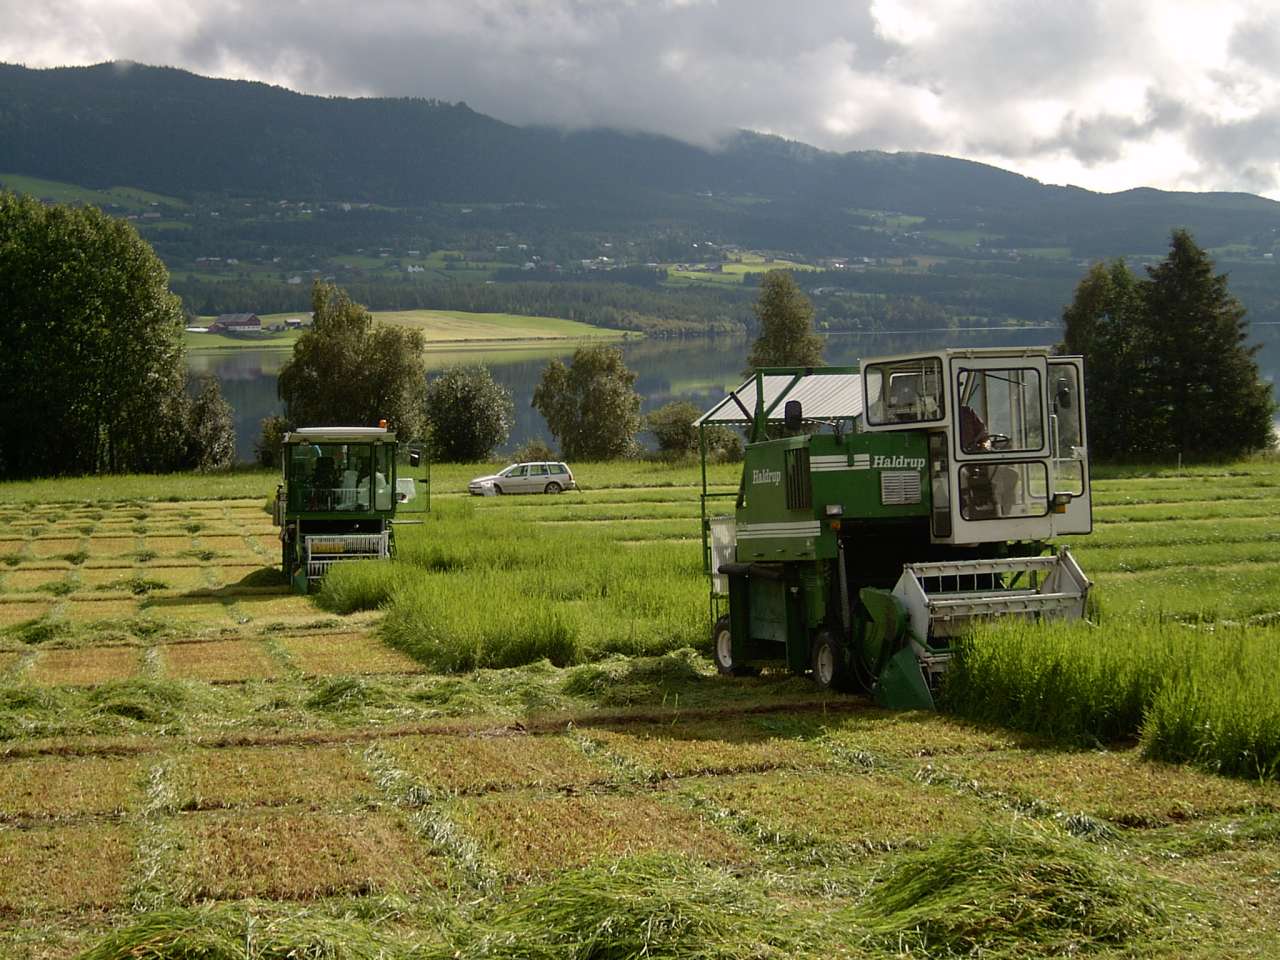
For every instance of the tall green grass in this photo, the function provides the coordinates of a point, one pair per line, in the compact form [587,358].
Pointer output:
[1208,694]
[476,586]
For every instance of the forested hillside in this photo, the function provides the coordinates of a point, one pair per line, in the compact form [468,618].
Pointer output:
[254,190]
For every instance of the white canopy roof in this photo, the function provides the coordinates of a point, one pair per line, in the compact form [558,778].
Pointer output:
[822,396]
[338,434]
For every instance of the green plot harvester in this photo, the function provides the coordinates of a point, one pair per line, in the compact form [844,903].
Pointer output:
[884,508]
[338,499]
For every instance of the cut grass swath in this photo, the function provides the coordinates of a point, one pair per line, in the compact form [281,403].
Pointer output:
[233,932]
[1023,888]
[650,907]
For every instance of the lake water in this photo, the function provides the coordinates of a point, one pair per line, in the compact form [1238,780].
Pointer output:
[696,369]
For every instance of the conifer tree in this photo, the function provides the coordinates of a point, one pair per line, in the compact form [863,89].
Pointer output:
[1169,372]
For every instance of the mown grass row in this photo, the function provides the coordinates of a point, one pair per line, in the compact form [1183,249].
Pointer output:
[996,891]
[1207,694]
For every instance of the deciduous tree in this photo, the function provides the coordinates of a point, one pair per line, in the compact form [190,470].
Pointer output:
[92,364]
[591,406]
[211,432]
[786,325]
[468,414]
[349,370]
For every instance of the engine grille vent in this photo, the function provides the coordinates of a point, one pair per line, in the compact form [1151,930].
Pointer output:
[899,487]
[799,487]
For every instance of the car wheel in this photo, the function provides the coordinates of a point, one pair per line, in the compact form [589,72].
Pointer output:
[830,666]
[497,489]
[552,487]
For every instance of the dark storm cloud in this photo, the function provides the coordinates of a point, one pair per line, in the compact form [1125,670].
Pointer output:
[1105,93]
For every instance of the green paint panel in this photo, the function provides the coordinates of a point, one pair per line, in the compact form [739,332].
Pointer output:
[857,486]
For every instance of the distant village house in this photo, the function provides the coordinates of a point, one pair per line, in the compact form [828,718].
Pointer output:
[236,323]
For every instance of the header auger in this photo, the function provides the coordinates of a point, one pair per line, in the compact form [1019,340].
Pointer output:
[883,509]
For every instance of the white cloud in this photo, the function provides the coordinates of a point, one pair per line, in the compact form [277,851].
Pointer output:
[1107,94]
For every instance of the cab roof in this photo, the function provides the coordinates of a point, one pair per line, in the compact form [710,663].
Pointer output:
[338,435]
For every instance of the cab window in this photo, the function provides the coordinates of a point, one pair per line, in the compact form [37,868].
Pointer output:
[996,491]
[905,391]
[1000,410]
[383,475]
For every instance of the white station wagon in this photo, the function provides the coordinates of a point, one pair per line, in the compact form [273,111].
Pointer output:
[540,477]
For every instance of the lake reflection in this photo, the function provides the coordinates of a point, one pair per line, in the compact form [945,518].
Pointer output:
[696,369]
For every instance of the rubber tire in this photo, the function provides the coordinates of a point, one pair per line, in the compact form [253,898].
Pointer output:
[553,487]
[497,490]
[830,667]
[722,651]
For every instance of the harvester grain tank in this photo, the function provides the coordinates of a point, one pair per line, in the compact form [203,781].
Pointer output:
[338,499]
[885,508]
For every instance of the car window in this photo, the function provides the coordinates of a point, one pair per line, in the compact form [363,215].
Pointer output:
[537,469]
[558,468]
[516,470]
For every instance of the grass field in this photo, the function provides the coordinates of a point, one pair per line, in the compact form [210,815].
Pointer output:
[503,745]
[444,330]
[130,199]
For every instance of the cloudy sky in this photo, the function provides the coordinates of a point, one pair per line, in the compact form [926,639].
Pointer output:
[1106,94]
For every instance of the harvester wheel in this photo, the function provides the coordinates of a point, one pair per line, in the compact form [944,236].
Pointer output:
[552,487]
[722,642]
[830,666]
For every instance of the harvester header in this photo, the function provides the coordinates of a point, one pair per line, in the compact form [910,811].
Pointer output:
[884,506]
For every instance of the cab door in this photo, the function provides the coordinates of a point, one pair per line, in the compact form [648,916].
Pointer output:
[413,481]
[1000,448]
[1069,442]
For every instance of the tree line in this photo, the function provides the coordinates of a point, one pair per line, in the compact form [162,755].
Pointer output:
[93,370]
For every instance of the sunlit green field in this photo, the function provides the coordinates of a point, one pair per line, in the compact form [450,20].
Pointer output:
[509,743]
[444,329]
[129,198]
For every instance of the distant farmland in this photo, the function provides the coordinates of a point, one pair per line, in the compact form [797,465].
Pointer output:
[444,329]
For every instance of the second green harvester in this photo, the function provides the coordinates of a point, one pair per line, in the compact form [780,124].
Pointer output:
[884,508]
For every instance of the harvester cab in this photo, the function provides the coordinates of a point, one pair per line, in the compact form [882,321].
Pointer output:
[883,509]
[337,499]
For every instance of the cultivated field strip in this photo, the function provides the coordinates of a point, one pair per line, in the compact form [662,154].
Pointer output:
[178,731]
[401,816]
